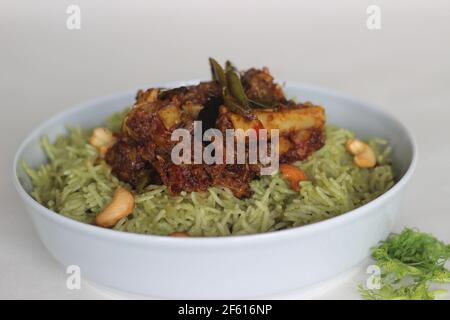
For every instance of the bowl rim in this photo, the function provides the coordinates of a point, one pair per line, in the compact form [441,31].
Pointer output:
[217,241]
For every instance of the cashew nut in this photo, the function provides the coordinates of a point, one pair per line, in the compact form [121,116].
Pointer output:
[121,205]
[364,156]
[355,146]
[294,175]
[102,139]
[366,159]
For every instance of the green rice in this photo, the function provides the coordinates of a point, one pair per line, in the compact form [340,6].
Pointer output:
[74,185]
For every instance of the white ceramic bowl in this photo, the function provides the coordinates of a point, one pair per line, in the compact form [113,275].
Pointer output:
[225,267]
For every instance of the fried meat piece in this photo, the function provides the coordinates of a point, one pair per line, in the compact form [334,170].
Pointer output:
[147,129]
[142,153]
[301,128]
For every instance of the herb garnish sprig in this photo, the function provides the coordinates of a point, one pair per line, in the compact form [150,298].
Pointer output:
[232,90]
[409,262]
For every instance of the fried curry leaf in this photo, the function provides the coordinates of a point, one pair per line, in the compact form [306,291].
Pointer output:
[233,93]
[234,85]
[236,107]
[217,72]
[230,66]
[262,104]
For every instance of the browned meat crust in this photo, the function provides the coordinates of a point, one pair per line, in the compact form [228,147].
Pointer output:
[127,160]
[259,86]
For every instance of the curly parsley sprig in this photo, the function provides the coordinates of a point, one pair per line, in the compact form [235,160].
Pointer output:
[409,263]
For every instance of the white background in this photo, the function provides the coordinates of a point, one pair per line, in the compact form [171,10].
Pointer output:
[45,68]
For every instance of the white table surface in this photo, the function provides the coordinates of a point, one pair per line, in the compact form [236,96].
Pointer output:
[45,68]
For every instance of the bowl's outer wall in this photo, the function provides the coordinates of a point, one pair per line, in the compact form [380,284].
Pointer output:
[252,268]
